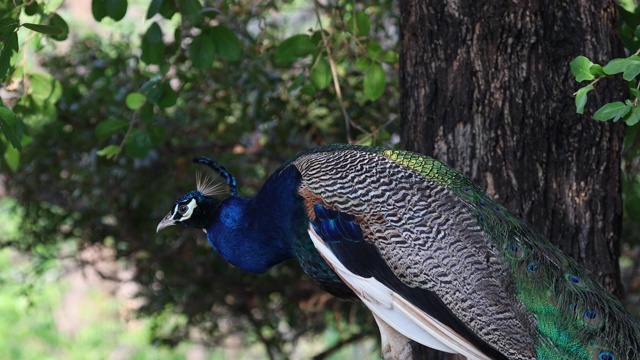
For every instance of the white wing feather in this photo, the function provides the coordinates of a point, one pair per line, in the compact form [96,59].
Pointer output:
[400,314]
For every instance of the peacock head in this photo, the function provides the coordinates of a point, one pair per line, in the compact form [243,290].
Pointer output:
[198,208]
[193,209]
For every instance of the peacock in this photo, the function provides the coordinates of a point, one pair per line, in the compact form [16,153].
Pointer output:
[427,251]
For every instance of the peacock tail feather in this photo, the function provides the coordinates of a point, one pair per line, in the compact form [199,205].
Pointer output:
[575,316]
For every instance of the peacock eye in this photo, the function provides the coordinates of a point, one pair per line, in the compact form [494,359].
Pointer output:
[182,209]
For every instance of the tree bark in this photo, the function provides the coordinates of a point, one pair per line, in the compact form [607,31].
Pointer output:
[486,88]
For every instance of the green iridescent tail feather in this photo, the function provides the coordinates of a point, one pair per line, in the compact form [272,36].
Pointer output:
[576,317]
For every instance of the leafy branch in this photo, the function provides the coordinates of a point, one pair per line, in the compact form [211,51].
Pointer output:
[334,72]
[347,35]
[584,69]
[39,90]
[343,50]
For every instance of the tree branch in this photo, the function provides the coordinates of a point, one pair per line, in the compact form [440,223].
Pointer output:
[340,344]
[334,73]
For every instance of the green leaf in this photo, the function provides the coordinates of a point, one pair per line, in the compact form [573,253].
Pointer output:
[152,45]
[359,25]
[153,91]
[146,87]
[320,75]
[177,38]
[316,38]
[43,29]
[297,83]
[168,97]
[293,48]
[154,8]
[159,93]
[374,50]
[631,133]
[634,92]
[636,33]
[390,57]
[115,9]
[109,151]
[32,9]
[98,9]
[633,117]
[153,34]
[614,110]
[138,144]
[190,9]
[632,70]
[374,82]
[597,70]
[364,140]
[134,100]
[210,12]
[202,50]
[10,46]
[168,9]
[581,98]
[308,89]
[26,140]
[628,17]
[580,68]
[12,42]
[8,124]
[45,89]
[107,128]
[617,66]
[12,157]
[363,63]
[57,21]
[8,9]
[226,42]
[146,114]
[7,27]
[383,136]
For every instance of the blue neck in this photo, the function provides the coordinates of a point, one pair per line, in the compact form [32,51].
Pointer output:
[255,234]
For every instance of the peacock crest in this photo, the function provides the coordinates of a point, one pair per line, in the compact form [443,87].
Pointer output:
[209,185]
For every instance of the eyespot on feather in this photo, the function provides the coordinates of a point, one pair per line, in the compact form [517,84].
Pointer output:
[592,318]
[532,273]
[515,250]
[574,280]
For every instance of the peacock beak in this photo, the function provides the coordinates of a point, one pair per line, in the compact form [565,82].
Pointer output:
[166,222]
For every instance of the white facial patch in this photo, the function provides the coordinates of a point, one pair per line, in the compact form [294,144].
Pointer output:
[185,213]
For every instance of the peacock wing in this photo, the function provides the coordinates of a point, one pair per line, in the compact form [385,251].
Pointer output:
[413,245]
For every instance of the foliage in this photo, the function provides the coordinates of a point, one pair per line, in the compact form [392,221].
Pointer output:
[39,91]
[107,131]
[33,324]
[206,38]
[583,69]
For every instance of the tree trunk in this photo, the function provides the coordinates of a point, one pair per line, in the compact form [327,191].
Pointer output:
[486,88]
